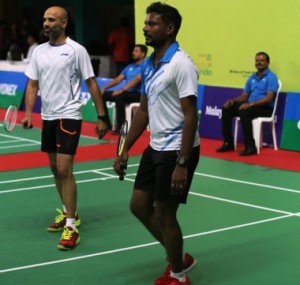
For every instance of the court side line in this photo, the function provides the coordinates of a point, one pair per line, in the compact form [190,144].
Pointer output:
[50,176]
[138,246]
[20,139]
[248,183]
[8,141]
[243,204]
[16,146]
[196,173]
[53,185]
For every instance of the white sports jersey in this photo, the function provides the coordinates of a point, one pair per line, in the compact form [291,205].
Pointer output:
[175,77]
[59,70]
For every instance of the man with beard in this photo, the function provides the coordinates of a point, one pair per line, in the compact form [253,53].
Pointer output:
[257,100]
[56,69]
[169,105]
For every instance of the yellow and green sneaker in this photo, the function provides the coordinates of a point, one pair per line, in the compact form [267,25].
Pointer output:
[60,222]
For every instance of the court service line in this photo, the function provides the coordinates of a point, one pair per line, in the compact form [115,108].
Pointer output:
[139,246]
[53,185]
[249,183]
[243,204]
[51,176]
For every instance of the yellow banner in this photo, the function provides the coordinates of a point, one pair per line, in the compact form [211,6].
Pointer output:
[223,36]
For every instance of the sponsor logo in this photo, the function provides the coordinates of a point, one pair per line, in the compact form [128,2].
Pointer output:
[8,89]
[213,111]
[205,63]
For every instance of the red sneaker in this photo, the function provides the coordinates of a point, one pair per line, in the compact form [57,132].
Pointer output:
[60,222]
[189,263]
[69,239]
[169,280]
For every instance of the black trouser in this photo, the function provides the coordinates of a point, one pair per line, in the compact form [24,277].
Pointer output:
[121,100]
[246,116]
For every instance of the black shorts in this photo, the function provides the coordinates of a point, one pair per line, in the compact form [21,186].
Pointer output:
[155,173]
[61,136]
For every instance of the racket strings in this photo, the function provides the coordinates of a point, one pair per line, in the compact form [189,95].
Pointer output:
[10,119]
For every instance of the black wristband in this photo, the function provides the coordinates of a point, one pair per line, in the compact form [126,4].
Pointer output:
[103,118]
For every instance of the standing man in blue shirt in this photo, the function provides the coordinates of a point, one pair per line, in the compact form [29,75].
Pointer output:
[169,105]
[131,91]
[257,100]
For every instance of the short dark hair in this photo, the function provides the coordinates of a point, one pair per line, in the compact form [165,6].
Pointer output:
[265,54]
[143,48]
[169,14]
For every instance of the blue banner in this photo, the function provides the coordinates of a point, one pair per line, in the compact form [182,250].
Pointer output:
[12,88]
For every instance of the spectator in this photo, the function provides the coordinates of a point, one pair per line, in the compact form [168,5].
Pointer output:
[121,43]
[131,91]
[257,100]
[32,40]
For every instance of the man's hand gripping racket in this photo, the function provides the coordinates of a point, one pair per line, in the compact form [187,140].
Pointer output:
[11,117]
[121,164]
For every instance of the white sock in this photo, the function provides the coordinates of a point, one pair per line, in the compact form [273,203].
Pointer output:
[71,223]
[64,209]
[180,275]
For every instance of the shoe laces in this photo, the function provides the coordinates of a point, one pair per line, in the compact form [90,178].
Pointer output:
[67,233]
[59,217]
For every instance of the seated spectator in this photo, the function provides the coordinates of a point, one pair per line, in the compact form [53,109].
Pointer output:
[257,100]
[131,91]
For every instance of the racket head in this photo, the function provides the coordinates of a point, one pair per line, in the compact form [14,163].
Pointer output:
[122,138]
[10,118]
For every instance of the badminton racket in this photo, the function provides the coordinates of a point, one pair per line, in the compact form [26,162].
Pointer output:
[10,118]
[121,144]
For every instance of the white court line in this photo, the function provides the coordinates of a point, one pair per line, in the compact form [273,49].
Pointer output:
[242,204]
[139,246]
[8,141]
[51,176]
[20,139]
[111,176]
[53,185]
[249,183]
[133,165]
[18,146]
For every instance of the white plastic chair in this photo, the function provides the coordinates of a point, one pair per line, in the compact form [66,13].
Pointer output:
[257,125]
[128,113]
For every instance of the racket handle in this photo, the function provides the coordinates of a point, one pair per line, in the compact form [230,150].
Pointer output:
[122,167]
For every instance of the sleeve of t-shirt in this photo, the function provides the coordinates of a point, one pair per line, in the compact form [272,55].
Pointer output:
[272,83]
[32,70]
[186,76]
[85,65]
[247,88]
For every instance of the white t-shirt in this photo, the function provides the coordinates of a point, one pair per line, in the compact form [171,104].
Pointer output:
[59,70]
[176,77]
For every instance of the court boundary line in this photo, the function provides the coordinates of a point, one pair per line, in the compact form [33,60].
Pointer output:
[109,176]
[2,271]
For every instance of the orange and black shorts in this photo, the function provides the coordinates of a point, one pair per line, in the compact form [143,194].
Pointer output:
[61,136]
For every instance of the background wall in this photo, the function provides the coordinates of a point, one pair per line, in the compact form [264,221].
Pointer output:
[92,20]
[223,36]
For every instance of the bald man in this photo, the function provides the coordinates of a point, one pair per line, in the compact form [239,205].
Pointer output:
[56,69]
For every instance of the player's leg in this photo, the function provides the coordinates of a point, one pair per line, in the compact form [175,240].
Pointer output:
[142,207]
[67,182]
[142,200]
[68,134]
[166,212]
